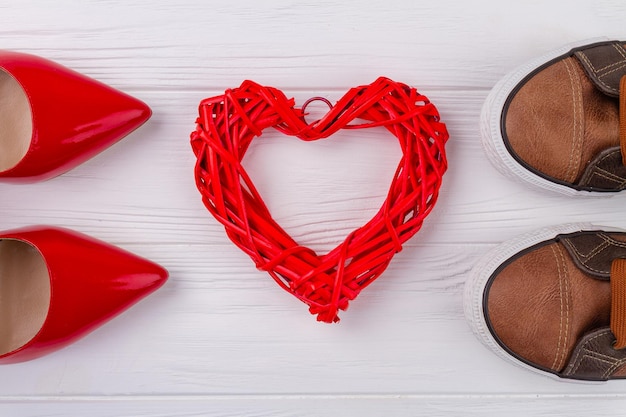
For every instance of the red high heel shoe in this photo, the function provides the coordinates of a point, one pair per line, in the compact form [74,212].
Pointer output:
[54,118]
[56,285]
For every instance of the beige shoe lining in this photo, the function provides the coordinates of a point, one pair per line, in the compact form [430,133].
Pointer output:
[16,126]
[24,293]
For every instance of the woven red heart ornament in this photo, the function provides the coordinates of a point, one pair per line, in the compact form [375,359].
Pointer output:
[228,123]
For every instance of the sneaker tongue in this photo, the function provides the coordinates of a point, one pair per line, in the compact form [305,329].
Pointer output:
[618,302]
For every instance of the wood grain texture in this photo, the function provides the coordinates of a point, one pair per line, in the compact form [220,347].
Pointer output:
[221,338]
[298,405]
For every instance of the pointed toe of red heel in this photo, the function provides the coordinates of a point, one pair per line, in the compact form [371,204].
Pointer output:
[56,285]
[57,118]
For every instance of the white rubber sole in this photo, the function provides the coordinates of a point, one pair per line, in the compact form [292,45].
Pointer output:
[484,269]
[491,133]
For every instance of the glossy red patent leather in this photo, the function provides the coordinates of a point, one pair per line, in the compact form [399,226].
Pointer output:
[74,117]
[91,282]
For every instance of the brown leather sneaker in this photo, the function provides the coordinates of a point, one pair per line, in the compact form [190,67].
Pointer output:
[554,301]
[555,121]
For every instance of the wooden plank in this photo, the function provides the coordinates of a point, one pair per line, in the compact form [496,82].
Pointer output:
[349,406]
[191,44]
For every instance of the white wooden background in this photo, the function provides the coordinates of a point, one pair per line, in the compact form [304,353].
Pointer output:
[221,338]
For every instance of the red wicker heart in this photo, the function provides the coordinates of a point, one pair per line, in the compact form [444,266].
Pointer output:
[228,123]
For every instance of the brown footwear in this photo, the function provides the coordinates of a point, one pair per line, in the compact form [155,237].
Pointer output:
[555,302]
[555,121]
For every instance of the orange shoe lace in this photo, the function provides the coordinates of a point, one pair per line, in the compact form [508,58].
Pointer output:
[618,301]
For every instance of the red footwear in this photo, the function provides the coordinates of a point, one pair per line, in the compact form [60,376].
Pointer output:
[57,285]
[54,118]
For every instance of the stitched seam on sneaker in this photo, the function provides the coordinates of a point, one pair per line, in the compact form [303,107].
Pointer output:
[612,241]
[588,62]
[592,355]
[598,249]
[579,253]
[608,155]
[567,308]
[612,369]
[577,129]
[609,176]
[561,348]
[620,51]
[558,345]
[614,70]
[614,178]
[578,359]
[611,66]
[601,356]
[585,259]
